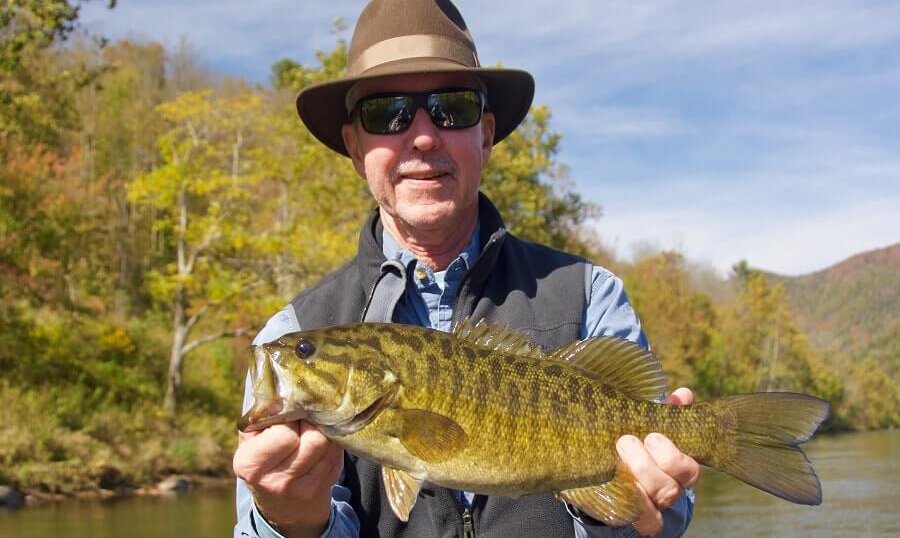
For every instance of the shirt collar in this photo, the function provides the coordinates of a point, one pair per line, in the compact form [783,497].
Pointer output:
[393,251]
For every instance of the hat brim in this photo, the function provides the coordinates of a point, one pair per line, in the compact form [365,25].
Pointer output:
[323,111]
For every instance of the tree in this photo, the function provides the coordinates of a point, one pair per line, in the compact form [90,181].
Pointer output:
[874,399]
[759,346]
[202,194]
[118,135]
[532,191]
[35,95]
[677,319]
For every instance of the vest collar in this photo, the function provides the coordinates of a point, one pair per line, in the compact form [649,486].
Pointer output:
[370,255]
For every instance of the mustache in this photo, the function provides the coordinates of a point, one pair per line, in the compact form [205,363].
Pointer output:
[435,163]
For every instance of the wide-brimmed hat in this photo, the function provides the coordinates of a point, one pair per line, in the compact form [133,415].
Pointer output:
[396,37]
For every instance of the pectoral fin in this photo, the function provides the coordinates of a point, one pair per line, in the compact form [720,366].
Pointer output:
[429,436]
[615,503]
[402,490]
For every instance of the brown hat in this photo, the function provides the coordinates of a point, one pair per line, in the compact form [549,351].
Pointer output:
[394,37]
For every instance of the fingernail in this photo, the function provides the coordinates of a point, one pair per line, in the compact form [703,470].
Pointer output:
[656,440]
[628,443]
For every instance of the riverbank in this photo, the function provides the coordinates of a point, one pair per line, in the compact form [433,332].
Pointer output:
[51,453]
[15,498]
[860,489]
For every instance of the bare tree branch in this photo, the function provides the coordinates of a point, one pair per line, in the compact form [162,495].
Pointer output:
[207,241]
[195,317]
[190,346]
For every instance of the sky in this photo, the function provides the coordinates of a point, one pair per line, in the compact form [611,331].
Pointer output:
[758,130]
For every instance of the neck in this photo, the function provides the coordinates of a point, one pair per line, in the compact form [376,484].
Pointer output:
[436,248]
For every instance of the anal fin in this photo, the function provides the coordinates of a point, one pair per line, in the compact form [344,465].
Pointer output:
[402,490]
[615,503]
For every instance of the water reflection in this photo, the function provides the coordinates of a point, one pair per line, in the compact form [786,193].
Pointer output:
[860,487]
[198,514]
[859,475]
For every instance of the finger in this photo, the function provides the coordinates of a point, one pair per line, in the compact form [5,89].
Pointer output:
[312,450]
[680,396]
[333,463]
[303,474]
[242,436]
[672,461]
[661,488]
[651,520]
[307,447]
[270,448]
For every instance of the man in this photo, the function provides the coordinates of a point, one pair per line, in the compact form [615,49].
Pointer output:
[418,117]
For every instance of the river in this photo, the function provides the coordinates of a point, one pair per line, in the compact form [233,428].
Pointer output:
[860,479]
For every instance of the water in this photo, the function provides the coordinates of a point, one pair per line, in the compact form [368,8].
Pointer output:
[193,515]
[860,477]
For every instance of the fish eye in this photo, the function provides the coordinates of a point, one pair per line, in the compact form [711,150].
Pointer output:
[305,348]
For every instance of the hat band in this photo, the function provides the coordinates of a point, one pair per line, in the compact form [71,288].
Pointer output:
[414,46]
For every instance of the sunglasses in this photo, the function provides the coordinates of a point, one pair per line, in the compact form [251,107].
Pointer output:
[390,113]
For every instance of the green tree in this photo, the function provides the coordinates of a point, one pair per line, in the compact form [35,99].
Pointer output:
[873,398]
[287,73]
[35,91]
[118,135]
[531,190]
[759,346]
[202,194]
[677,319]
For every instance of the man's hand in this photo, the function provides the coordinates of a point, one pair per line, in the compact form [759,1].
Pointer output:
[290,469]
[662,471]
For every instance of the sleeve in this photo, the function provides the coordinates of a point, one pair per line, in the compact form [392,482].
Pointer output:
[343,522]
[609,313]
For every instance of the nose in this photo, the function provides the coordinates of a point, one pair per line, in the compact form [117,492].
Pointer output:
[424,135]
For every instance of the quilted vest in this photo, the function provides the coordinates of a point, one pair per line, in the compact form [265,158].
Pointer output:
[539,291]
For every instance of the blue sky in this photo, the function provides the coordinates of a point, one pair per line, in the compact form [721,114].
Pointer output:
[765,130]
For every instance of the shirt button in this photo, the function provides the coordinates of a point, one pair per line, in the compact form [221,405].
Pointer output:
[421,273]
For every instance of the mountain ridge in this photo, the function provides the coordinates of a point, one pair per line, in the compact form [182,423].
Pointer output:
[852,307]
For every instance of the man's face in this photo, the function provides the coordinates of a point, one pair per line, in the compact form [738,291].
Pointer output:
[425,178]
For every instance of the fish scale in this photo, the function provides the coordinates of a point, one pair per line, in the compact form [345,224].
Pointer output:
[539,455]
[483,411]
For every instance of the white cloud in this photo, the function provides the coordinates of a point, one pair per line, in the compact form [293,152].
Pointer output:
[818,201]
[757,129]
[774,241]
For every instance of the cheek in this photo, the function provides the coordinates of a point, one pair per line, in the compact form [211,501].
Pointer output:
[379,165]
[470,157]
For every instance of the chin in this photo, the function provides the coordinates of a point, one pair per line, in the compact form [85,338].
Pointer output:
[431,216]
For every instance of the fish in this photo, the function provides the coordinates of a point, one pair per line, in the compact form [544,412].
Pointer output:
[482,409]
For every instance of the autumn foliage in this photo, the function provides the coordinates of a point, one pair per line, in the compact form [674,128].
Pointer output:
[152,216]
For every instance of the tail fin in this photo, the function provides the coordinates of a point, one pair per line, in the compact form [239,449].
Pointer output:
[768,427]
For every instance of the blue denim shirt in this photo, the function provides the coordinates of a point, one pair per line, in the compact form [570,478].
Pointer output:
[428,302]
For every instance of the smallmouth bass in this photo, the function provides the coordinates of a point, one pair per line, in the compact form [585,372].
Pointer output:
[483,410]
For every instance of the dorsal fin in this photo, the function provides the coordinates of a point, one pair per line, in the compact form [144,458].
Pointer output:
[619,363]
[496,338]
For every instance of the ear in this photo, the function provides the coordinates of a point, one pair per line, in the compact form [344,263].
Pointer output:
[351,142]
[488,127]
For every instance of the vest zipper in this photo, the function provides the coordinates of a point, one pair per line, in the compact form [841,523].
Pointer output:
[468,527]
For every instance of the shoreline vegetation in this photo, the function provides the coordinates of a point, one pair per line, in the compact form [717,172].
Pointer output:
[12,498]
[15,499]
[154,214]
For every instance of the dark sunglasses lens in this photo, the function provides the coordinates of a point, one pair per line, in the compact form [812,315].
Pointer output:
[383,115]
[456,109]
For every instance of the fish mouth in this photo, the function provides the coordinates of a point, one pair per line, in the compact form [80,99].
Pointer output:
[271,403]
[367,415]
[268,413]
